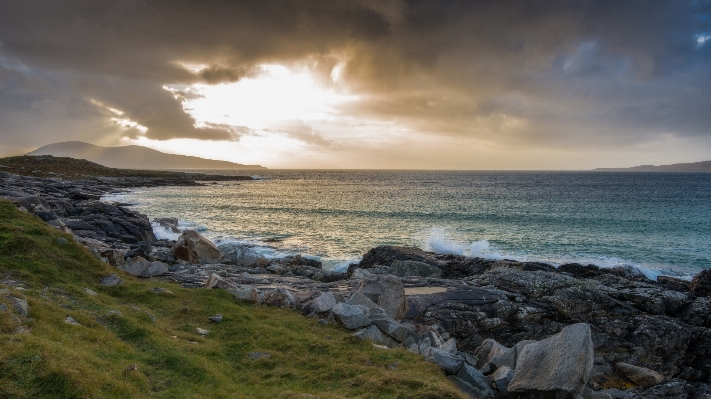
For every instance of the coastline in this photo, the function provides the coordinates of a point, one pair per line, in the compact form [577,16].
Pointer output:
[663,326]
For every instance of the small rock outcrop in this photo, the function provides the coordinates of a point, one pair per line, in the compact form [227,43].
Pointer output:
[194,248]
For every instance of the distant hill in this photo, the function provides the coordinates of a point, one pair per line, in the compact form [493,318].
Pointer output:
[704,166]
[133,157]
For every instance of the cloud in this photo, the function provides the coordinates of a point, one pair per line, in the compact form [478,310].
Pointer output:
[551,74]
[299,130]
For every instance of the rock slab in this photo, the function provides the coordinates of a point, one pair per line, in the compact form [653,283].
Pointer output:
[555,368]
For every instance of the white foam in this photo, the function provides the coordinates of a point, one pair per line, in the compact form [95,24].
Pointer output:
[439,241]
[164,233]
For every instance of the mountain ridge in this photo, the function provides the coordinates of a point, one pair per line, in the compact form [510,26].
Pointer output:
[703,166]
[133,157]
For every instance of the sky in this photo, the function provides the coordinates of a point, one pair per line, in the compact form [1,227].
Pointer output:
[374,84]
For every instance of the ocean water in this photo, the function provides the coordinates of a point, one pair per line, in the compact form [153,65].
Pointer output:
[659,223]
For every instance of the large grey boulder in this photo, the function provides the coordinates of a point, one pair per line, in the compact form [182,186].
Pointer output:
[640,375]
[387,292]
[196,249]
[352,316]
[412,268]
[555,368]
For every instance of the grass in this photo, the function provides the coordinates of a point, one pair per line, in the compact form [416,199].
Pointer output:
[70,168]
[92,360]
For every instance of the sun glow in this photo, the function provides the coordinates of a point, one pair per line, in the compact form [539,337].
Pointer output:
[274,95]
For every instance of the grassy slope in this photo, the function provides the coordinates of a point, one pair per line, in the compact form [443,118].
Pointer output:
[60,360]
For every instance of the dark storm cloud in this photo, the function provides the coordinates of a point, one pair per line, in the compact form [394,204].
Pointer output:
[553,73]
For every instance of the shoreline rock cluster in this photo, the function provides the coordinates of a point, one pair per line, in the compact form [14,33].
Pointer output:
[499,328]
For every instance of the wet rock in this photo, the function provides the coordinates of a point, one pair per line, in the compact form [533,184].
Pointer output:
[387,292]
[194,248]
[238,254]
[556,367]
[640,375]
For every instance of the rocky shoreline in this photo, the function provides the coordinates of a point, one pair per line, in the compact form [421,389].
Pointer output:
[498,328]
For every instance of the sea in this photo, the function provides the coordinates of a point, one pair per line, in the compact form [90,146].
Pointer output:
[658,223]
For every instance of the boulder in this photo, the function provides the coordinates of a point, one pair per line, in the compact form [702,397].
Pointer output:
[387,292]
[135,266]
[557,367]
[448,362]
[155,269]
[238,254]
[399,331]
[477,380]
[490,349]
[640,375]
[196,249]
[701,283]
[322,303]
[280,297]
[372,333]
[450,346]
[352,316]
[245,293]
[142,268]
[412,268]
[502,378]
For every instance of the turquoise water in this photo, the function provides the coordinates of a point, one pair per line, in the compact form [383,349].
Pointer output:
[654,221]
